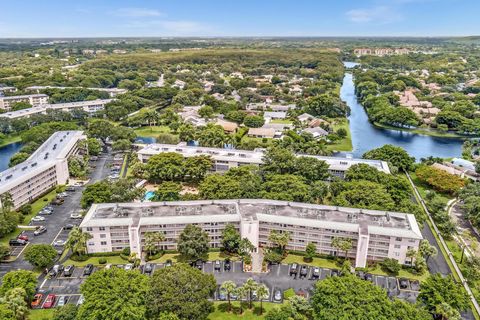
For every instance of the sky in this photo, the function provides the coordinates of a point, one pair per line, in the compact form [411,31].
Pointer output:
[211,18]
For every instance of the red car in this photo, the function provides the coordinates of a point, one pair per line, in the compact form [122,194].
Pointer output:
[37,299]
[23,237]
[49,302]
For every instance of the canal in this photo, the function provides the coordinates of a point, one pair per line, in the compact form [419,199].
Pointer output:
[365,136]
[6,152]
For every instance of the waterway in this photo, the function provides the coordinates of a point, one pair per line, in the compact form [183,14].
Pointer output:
[365,136]
[6,152]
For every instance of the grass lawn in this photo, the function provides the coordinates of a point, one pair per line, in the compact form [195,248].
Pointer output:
[175,257]
[152,131]
[266,144]
[10,139]
[94,261]
[282,121]
[124,165]
[220,311]
[41,314]
[344,144]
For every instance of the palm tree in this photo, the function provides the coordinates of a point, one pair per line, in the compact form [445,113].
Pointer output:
[343,244]
[446,312]
[6,202]
[77,241]
[411,253]
[262,293]
[240,293]
[229,287]
[427,250]
[250,286]
[280,239]
[151,116]
[153,240]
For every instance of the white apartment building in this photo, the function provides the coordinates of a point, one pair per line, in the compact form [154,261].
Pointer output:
[224,159]
[46,168]
[33,99]
[91,106]
[111,91]
[375,235]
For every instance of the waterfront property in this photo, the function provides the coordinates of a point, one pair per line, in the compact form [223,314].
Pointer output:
[90,106]
[375,235]
[46,168]
[224,159]
[33,99]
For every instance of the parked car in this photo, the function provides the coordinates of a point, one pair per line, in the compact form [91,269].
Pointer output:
[129,266]
[293,269]
[76,216]
[58,201]
[56,270]
[68,226]
[335,273]
[227,265]
[88,269]
[303,271]
[168,263]
[403,283]
[277,295]
[49,301]
[217,265]
[316,273]
[199,264]
[59,243]
[17,242]
[22,237]
[45,212]
[38,219]
[68,271]
[369,277]
[70,189]
[62,300]
[37,299]
[148,268]
[40,230]
[222,296]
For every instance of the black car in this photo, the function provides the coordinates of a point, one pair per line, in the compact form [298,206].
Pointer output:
[303,271]
[68,226]
[227,265]
[17,242]
[88,269]
[70,189]
[217,265]
[403,283]
[369,277]
[168,263]
[293,269]
[148,268]
[199,264]
[335,273]
[68,271]
[56,269]
[316,273]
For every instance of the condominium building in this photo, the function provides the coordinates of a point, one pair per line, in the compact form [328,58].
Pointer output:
[111,91]
[33,99]
[46,168]
[224,159]
[91,106]
[375,235]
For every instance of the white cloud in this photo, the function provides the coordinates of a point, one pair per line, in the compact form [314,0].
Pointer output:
[136,12]
[378,14]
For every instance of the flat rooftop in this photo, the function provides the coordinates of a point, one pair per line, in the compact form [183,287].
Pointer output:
[55,148]
[25,96]
[348,219]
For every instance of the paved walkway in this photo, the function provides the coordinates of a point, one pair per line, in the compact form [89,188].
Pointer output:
[257,260]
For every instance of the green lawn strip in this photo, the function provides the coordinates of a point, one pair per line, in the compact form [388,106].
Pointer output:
[41,314]
[344,144]
[95,261]
[124,165]
[282,121]
[220,310]
[9,140]
[152,131]
[175,257]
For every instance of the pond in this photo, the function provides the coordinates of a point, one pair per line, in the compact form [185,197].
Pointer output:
[365,136]
[6,152]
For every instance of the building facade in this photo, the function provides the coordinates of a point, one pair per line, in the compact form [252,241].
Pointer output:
[375,235]
[225,159]
[33,99]
[46,168]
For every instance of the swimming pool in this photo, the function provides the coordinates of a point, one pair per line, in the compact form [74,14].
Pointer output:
[149,195]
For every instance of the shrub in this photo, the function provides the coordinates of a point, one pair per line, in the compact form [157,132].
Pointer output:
[391,266]
[102,260]
[126,251]
[154,256]
[79,258]
[287,294]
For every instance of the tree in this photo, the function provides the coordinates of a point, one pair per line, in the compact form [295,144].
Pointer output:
[4,251]
[151,117]
[262,293]
[310,251]
[241,293]
[77,241]
[94,147]
[104,191]
[40,255]
[440,180]
[182,290]
[20,106]
[167,316]
[14,299]
[6,313]
[206,112]
[122,145]
[17,158]
[279,239]
[27,280]
[101,129]
[168,191]
[250,286]
[186,132]
[349,297]
[193,243]
[152,241]
[397,156]
[286,187]
[446,312]
[229,288]
[437,289]
[114,294]
[231,239]
[391,266]
[411,253]
[312,169]
[245,248]
[342,133]
[427,250]
[165,166]
[343,244]
[197,167]
[327,105]
[67,312]
[278,160]
[253,121]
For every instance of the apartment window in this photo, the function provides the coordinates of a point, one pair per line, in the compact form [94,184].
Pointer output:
[398,239]
[89,229]
[103,243]
[397,254]
[103,236]
[397,246]
[91,244]
[101,228]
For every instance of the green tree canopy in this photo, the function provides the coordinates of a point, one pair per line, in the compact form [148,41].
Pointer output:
[193,243]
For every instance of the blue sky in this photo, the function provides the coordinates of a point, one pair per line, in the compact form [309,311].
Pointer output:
[90,18]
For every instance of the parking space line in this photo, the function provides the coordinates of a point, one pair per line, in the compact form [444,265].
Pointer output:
[55,239]
[43,283]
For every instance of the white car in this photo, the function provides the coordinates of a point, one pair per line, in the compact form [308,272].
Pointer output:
[76,216]
[38,219]
[59,243]
[61,301]
[128,266]
[80,300]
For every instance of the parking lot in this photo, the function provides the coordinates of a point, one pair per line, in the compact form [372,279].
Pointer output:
[278,279]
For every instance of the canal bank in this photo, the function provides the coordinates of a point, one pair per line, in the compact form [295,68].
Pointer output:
[366,136]
[6,152]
